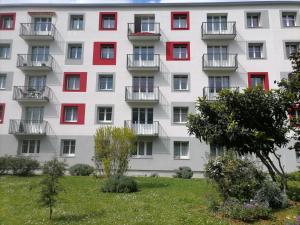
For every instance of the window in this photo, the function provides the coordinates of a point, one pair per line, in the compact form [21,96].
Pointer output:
[180,82]
[68,147]
[72,113]
[180,114]
[258,79]
[7,21]
[294,115]
[291,47]
[178,51]
[142,116]
[2,81]
[217,24]
[255,51]
[108,21]
[4,51]
[216,150]
[253,20]
[104,114]
[2,108]
[181,150]
[76,22]
[104,53]
[75,82]
[143,149]
[180,21]
[74,51]
[297,155]
[289,19]
[144,24]
[105,82]
[30,147]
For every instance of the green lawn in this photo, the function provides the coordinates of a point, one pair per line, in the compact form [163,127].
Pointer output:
[160,201]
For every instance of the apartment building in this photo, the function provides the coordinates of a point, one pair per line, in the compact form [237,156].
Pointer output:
[68,69]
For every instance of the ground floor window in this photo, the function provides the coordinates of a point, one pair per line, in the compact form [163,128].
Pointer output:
[30,147]
[181,150]
[143,149]
[216,150]
[68,147]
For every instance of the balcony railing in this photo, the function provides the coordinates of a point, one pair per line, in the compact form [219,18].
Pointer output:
[28,127]
[31,94]
[143,31]
[37,31]
[143,129]
[211,93]
[218,30]
[140,62]
[140,94]
[219,62]
[35,62]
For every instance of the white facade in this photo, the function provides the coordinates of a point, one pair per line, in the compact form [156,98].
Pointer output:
[266,43]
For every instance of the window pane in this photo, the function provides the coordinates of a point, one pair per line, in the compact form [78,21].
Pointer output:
[2,81]
[73,82]
[4,51]
[184,148]
[141,148]
[176,149]
[149,148]
[24,146]
[108,22]
[31,146]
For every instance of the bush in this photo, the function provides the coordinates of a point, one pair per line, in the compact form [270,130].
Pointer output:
[247,212]
[54,168]
[22,166]
[119,184]
[4,164]
[270,193]
[81,170]
[295,176]
[235,177]
[154,175]
[184,172]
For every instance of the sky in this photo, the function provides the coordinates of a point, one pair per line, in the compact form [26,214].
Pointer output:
[120,1]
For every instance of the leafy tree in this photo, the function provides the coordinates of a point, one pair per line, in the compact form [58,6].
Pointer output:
[50,186]
[113,147]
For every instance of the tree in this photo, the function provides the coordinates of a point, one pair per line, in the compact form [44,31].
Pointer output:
[113,147]
[50,187]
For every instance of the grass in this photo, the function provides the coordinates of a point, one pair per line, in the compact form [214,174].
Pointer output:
[160,201]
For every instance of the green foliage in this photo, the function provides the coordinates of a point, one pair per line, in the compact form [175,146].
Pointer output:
[120,184]
[81,170]
[113,147]
[184,172]
[295,176]
[247,212]
[50,187]
[270,193]
[18,165]
[235,177]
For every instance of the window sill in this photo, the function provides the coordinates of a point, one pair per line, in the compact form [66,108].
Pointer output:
[180,123]
[68,156]
[179,59]
[183,90]
[181,158]
[142,157]
[257,58]
[104,122]
[108,90]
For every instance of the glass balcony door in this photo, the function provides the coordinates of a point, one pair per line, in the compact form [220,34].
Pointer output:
[33,120]
[144,24]
[217,56]
[143,88]
[142,120]
[39,55]
[216,84]
[143,56]
[42,25]
[216,24]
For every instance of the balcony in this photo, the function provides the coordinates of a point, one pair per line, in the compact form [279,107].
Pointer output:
[37,31]
[223,62]
[28,127]
[146,95]
[24,94]
[143,62]
[35,62]
[143,32]
[211,93]
[150,130]
[218,30]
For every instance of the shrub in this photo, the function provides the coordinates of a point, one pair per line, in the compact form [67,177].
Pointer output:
[271,194]
[295,176]
[120,184]
[247,212]
[235,177]
[154,175]
[184,172]
[22,166]
[4,164]
[81,170]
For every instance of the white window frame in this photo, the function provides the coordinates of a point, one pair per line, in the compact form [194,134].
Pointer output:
[218,150]
[3,78]
[74,114]
[286,21]
[181,114]
[288,48]
[145,148]
[182,51]
[6,52]
[9,18]
[105,78]
[30,142]
[180,78]
[252,46]
[251,17]
[78,54]
[182,21]
[106,112]
[107,20]
[107,52]
[75,22]
[73,88]
[181,156]
[71,144]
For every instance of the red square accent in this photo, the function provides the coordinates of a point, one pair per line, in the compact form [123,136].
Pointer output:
[102,15]
[12,15]
[2,109]
[82,81]
[186,14]
[97,60]
[169,51]
[295,108]
[80,113]
[264,75]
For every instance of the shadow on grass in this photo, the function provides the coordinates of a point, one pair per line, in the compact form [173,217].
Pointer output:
[153,183]
[77,217]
